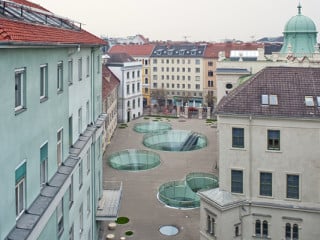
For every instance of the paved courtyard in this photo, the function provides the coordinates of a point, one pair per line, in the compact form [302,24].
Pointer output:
[139,196]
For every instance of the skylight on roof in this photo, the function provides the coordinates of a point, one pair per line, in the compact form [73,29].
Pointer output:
[318,101]
[269,99]
[309,101]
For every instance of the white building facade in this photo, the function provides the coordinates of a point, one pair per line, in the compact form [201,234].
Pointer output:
[269,130]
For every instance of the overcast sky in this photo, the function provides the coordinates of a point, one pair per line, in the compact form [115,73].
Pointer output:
[207,20]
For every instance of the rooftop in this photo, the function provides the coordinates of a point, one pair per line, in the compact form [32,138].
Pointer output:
[23,22]
[133,50]
[292,92]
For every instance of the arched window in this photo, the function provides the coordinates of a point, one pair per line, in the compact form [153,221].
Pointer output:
[265,228]
[295,232]
[258,228]
[288,231]
[210,225]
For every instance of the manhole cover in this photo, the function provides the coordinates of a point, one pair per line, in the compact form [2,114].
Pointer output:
[169,230]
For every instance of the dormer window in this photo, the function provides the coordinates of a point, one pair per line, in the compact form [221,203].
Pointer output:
[318,101]
[309,101]
[269,99]
[273,100]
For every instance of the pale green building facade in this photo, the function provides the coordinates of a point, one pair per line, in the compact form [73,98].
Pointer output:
[51,125]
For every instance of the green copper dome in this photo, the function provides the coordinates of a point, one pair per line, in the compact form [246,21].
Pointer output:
[300,23]
[300,36]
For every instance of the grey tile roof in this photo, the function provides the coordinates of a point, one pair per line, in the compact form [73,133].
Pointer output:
[290,84]
[221,197]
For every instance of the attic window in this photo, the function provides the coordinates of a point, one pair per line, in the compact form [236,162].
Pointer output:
[269,99]
[273,99]
[309,101]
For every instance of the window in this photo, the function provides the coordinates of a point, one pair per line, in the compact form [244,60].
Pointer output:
[155,77]
[128,89]
[98,64]
[87,112]
[138,73]
[210,73]
[273,139]
[189,69]
[146,71]
[261,226]
[210,225]
[20,89]
[80,69]
[155,61]
[43,82]
[70,131]
[229,86]
[71,192]
[20,176]
[309,101]
[265,184]
[197,70]
[59,146]
[88,66]
[71,232]
[197,78]
[210,63]
[80,174]
[138,87]
[79,120]
[146,81]
[210,83]
[238,137]
[60,218]
[155,85]
[133,88]
[293,186]
[60,77]
[43,164]
[128,75]
[237,232]
[197,86]
[133,74]
[154,69]
[70,72]
[197,61]
[139,102]
[81,219]
[88,161]
[237,181]
[269,99]
[292,233]
[88,201]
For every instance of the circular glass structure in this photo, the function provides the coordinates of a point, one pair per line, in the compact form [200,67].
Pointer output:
[134,160]
[201,181]
[169,230]
[151,127]
[177,194]
[175,140]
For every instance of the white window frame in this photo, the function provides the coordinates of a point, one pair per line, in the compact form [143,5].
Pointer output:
[88,66]
[20,88]
[59,146]
[70,71]
[79,69]
[43,168]
[60,218]
[20,191]
[80,120]
[43,81]
[60,77]
[80,173]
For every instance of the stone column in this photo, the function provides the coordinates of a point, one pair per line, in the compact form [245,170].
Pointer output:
[208,112]
[200,112]
[186,110]
[178,111]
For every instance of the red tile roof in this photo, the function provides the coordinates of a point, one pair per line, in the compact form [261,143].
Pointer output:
[109,81]
[133,50]
[212,50]
[21,31]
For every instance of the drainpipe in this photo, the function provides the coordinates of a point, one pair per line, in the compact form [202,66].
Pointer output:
[250,158]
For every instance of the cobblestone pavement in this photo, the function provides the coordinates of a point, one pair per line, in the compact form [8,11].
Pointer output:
[139,197]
